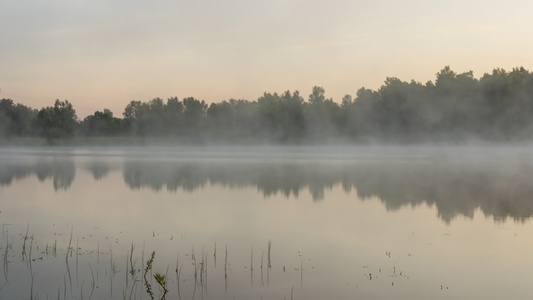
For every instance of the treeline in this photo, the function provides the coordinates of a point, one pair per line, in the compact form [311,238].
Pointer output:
[454,108]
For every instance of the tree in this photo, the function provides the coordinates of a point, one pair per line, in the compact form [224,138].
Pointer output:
[246,124]
[508,104]
[291,117]
[317,95]
[220,118]
[346,101]
[194,115]
[154,118]
[269,116]
[16,120]
[174,116]
[59,121]
[101,123]
[6,109]
[363,118]
[322,116]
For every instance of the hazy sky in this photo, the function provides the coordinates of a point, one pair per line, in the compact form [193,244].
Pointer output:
[103,54]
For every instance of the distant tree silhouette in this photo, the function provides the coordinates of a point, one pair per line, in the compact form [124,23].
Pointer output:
[16,120]
[455,107]
[101,124]
[59,121]
[322,116]
[194,115]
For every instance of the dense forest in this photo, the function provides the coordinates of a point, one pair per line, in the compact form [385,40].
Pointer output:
[497,107]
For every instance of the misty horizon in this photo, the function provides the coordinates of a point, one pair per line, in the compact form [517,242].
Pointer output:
[456,108]
[315,149]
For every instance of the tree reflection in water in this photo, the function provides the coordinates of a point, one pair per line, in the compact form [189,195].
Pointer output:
[499,188]
[456,188]
[62,171]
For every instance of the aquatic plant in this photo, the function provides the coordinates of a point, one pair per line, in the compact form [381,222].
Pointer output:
[159,278]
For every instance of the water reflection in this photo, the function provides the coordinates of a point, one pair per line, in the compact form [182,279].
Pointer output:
[499,188]
[335,239]
[98,169]
[456,188]
[62,171]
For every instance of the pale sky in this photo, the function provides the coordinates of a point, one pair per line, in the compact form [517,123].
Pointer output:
[102,54]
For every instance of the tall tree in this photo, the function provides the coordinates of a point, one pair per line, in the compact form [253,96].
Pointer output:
[16,119]
[322,116]
[174,116]
[101,123]
[59,121]
[194,115]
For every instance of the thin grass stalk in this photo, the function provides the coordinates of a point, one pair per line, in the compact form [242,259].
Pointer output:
[268,276]
[205,270]
[31,247]
[69,275]
[301,273]
[195,266]
[132,286]
[31,289]
[132,264]
[226,270]
[77,256]
[262,280]
[215,255]
[202,270]
[93,282]
[178,274]
[6,261]
[127,269]
[112,270]
[69,249]
[292,292]
[24,242]
[252,266]
[194,291]
[269,247]
[142,256]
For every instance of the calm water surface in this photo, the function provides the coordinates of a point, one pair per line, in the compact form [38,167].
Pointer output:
[267,223]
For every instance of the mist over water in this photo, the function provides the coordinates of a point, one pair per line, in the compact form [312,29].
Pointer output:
[416,222]
[457,180]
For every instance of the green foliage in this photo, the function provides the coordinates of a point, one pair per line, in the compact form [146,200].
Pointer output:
[59,121]
[16,120]
[322,116]
[455,107]
[102,124]
[149,263]
[146,270]
[160,280]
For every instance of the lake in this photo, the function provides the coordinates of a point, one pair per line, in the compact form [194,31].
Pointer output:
[266,223]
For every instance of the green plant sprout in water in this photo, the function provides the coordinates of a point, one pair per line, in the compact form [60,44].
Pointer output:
[159,278]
